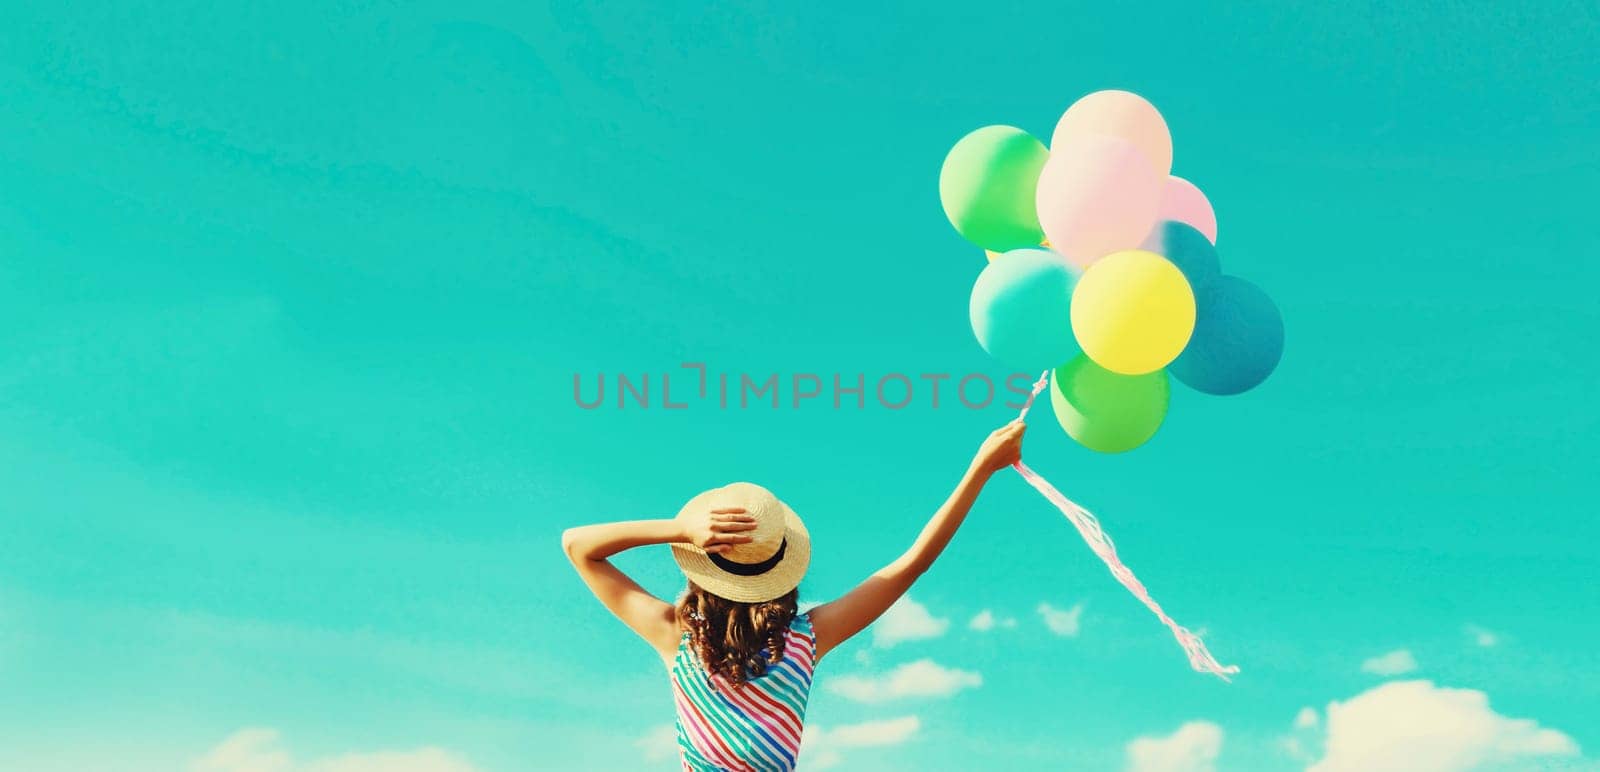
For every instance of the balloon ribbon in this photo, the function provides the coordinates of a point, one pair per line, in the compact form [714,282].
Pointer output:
[1100,542]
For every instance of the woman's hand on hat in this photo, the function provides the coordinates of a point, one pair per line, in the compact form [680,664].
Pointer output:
[1002,448]
[718,530]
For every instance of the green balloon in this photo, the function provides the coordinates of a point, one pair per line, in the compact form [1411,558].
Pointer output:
[1106,411]
[987,184]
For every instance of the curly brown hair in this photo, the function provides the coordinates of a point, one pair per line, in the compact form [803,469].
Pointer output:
[734,640]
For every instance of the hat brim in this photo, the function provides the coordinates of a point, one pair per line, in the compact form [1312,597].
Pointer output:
[772,583]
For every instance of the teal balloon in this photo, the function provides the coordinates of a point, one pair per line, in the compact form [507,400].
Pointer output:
[1188,248]
[1237,340]
[986,186]
[1021,309]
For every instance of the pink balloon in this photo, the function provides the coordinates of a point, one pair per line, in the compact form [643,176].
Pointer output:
[1096,196]
[1121,114]
[1184,202]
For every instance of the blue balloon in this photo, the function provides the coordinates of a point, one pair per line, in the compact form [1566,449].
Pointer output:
[1237,340]
[1021,309]
[1187,248]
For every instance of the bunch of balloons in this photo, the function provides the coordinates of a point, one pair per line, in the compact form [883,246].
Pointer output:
[1103,269]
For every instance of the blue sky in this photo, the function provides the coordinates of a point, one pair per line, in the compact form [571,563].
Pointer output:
[292,298]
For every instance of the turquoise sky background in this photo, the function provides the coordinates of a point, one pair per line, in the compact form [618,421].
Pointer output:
[292,297]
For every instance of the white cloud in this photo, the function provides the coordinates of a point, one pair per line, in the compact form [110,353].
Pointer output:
[1396,662]
[1482,636]
[258,749]
[923,678]
[659,744]
[1192,748]
[1304,735]
[1065,623]
[819,759]
[820,748]
[421,760]
[906,620]
[247,750]
[985,621]
[1306,718]
[891,731]
[1417,727]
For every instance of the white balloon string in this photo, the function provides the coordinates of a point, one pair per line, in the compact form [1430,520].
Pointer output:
[1100,543]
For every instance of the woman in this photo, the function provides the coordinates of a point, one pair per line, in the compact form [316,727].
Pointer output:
[739,653]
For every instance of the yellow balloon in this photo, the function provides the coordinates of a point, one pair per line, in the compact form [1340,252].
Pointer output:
[1132,312]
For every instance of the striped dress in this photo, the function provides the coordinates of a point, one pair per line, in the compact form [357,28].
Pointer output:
[756,727]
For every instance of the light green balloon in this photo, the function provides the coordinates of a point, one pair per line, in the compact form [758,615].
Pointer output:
[1106,411]
[987,185]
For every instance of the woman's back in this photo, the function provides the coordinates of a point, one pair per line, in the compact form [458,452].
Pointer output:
[756,725]
[744,552]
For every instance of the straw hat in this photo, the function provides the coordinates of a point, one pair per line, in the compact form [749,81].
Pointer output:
[766,568]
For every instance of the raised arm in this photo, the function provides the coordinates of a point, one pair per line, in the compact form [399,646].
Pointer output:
[836,622]
[589,546]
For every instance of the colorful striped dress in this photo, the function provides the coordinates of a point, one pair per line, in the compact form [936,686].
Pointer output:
[755,727]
